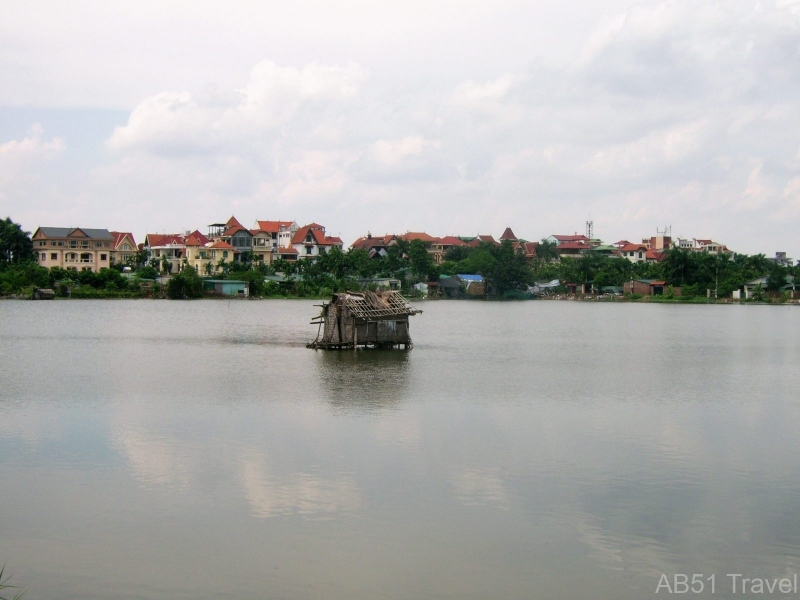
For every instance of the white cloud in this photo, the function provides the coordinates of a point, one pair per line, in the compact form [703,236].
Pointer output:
[655,113]
[180,122]
[31,148]
[392,152]
[22,161]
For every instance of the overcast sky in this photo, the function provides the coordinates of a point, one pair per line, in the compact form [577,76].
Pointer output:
[450,117]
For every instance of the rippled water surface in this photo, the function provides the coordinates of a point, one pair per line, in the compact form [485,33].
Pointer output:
[158,449]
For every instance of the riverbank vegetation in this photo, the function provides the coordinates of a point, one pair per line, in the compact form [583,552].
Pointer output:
[508,272]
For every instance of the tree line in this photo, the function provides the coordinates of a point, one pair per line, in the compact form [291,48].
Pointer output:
[506,269]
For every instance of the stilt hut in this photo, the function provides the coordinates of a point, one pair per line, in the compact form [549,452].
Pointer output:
[364,319]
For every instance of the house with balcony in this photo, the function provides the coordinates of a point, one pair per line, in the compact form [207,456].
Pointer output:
[170,247]
[75,248]
[235,234]
[268,236]
[124,247]
[310,241]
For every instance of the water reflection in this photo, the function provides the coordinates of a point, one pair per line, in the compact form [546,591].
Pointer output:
[522,456]
[270,493]
[363,380]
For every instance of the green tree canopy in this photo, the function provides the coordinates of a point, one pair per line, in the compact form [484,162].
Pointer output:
[15,244]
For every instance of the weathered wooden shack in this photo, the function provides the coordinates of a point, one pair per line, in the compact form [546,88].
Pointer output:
[365,320]
[43,294]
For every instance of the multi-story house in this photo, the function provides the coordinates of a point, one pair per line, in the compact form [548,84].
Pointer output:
[124,247]
[208,257]
[268,236]
[238,236]
[310,241]
[75,248]
[170,247]
[711,247]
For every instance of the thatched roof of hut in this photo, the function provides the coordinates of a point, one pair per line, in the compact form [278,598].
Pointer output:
[371,305]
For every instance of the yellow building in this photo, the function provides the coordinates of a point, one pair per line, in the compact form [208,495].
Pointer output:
[206,258]
[75,248]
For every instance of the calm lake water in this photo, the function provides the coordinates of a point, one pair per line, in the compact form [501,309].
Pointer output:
[160,449]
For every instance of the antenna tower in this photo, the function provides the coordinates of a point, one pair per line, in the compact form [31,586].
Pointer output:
[590,229]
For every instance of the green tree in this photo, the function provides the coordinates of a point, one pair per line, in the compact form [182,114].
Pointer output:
[186,284]
[510,270]
[422,264]
[547,250]
[15,244]
[776,278]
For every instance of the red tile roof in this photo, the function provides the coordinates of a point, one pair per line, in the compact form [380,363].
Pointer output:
[450,240]
[528,248]
[234,229]
[656,255]
[632,247]
[120,235]
[317,233]
[199,236]
[272,226]
[482,238]
[222,245]
[158,239]
[571,238]
[508,235]
[287,251]
[573,246]
[232,222]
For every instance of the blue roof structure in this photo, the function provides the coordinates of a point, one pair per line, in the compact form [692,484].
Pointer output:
[477,278]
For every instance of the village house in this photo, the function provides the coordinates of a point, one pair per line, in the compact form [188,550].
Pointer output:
[268,236]
[558,240]
[474,242]
[440,247]
[75,248]
[310,241]
[206,256]
[169,247]
[375,246]
[124,247]
[528,249]
[650,287]
[233,233]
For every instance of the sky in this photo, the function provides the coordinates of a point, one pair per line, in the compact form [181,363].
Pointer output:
[451,117]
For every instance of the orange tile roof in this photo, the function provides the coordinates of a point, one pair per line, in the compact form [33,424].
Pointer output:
[272,226]
[632,247]
[222,245]
[317,232]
